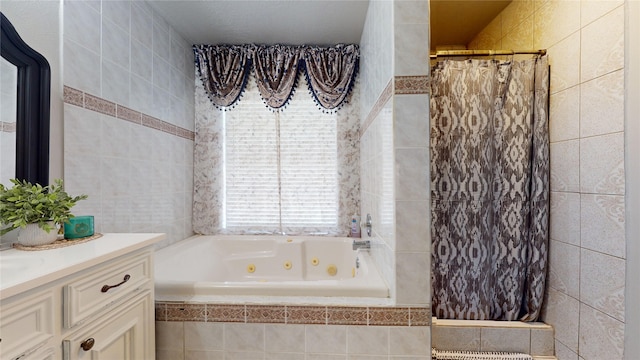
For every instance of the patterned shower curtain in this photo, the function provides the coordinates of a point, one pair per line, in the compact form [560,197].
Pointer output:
[489,188]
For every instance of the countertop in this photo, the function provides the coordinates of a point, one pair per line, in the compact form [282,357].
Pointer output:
[23,270]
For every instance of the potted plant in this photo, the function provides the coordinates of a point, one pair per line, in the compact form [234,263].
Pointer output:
[35,209]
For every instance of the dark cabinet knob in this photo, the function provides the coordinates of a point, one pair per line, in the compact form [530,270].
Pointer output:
[88,344]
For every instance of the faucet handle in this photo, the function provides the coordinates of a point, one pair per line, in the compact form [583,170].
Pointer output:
[368,225]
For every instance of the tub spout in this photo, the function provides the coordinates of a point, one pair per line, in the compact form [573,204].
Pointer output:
[363,244]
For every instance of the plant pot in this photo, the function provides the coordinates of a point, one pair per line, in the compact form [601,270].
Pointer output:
[33,235]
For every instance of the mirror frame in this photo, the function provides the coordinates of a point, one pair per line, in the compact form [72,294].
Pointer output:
[33,105]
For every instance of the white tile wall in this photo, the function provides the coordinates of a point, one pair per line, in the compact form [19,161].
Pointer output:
[602,225]
[411,52]
[411,149]
[377,191]
[376,49]
[108,43]
[564,265]
[602,164]
[565,166]
[602,45]
[587,249]
[563,313]
[565,212]
[564,115]
[600,335]
[138,179]
[394,148]
[602,105]
[602,283]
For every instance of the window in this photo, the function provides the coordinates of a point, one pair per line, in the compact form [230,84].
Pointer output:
[280,167]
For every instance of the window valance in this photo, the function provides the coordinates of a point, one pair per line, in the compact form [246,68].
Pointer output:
[330,72]
[224,71]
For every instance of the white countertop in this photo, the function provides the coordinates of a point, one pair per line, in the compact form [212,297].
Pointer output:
[23,270]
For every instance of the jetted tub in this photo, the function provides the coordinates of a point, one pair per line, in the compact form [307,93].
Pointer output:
[266,266]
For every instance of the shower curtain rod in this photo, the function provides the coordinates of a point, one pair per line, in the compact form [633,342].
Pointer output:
[485,52]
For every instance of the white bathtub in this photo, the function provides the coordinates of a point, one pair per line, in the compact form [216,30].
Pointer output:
[266,266]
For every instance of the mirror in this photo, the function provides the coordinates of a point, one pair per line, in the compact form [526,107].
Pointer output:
[32,99]
[8,102]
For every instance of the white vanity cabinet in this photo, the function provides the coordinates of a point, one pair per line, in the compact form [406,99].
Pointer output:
[99,306]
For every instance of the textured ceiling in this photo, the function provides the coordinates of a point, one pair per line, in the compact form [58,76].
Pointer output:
[312,22]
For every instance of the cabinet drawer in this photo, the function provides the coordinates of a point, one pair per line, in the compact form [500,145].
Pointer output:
[26,325]
[110,283]
[125,333]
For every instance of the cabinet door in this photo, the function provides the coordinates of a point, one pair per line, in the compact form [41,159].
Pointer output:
[26,324]
[125,333]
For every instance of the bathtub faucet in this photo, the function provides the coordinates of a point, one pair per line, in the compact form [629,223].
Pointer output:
[363,244]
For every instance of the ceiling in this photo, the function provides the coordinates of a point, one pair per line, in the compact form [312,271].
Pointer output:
[457,22]
[312,22]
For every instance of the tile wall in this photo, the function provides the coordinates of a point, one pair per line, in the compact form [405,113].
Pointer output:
[376,46]
[129,141]
[376,141]
[585,42]
[394,144]
[411,153]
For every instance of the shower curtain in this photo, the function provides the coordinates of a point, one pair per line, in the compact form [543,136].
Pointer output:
[489,188]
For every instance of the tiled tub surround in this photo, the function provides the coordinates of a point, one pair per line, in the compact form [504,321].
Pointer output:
[283,332]
[136,169]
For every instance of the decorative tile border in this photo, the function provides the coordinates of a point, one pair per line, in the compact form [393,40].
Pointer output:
[411,84]
[377,107]
[91,102]
[179,312]
[286,314]
[399,85]
[306,315]
[8,127]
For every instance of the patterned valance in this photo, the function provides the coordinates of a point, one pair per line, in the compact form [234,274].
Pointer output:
[276,69]
[223,70]
[330,72]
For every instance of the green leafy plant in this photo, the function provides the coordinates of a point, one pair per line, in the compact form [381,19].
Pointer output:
[25,203]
